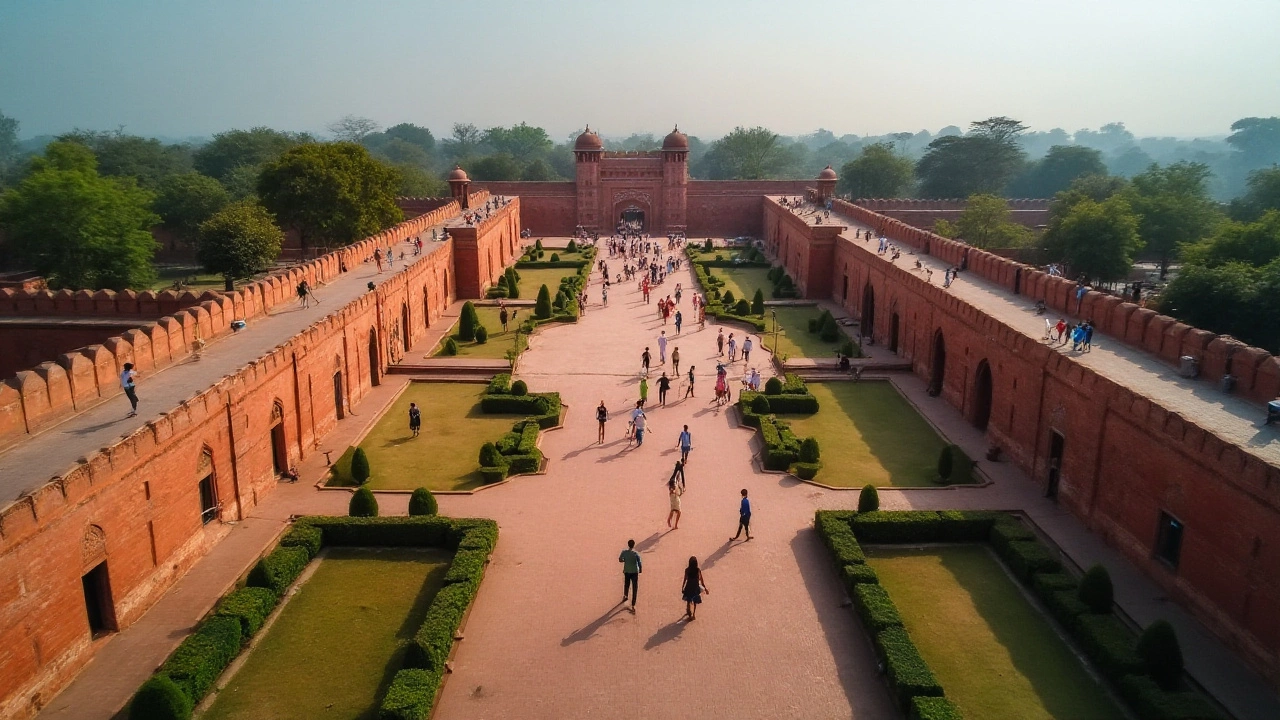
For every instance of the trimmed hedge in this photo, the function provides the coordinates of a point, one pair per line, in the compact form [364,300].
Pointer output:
[967,525]
[159,699]
[499,385]
[856,574]
[1026,558]
[898,526]
[806,470]
[545,408]
[198,661]
[1150,702]
[833,528]
[249,606]
[398,531]
[278,569]
[909,675]
[933,708]
[411,695]
[875,607]
[434,640]
[1109,644]
[1065,607]
[784,403]
[305,536]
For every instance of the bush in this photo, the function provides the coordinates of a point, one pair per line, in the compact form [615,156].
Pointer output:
[1109,644]
[542,308]
[856,574]
[1026,558]
[490,475]
[954,466]
[967,525]
[868,499]
[503,282]
[729,299]
[450,347]
[198,661]
[772,386]
[875,607]
[467,322]
[1007,530]
[467,566]
[278,569]
[848,349]
[537,245]
[909,675]
[757,303]
[482,334]
[571,247]
[1158,647]
[833,527]
[363,504]
[513,282]
[806,470]
[519,388]
[431,644]
[489,456]
[499,385]
[760,404]
[1150,702]
[774,273]
[1046,583]
[933,708]
[360,466]
[304,535]
[1065,607]
[809,451]
[830,331]
[898,526]
[248,606]
[1096,591]
[555,257]
[422,502]
[706,246]
[411,695]
[742,308]
[160,699]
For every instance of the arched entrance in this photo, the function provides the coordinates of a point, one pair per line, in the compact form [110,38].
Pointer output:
[426,307]
[404,325]
[373,358]
[279,448]
[869,312]
[631,219]
[893,333]
[939,374]
[981,414]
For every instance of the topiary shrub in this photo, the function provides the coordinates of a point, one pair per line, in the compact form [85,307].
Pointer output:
[760,405]
[555,257]
[482,334]
[757,302]
[729,299]
[489,455]
[847,349]
[742,308]
[954,466]
[160,699]
[774,274]
[706,246]
[467,322]
[422,502]
[363,504]
[519,388]
[868,499]
[360,466]
[513,282]
[542,308]
[830,331]
[503,282]
[809,451]
[537,245]
[1161,654]
[571,247]
[559,303]
[806,470]
[450,347]
[773,386]
[1096,591]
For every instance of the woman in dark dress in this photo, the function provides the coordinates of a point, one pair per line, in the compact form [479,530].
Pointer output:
[693,588]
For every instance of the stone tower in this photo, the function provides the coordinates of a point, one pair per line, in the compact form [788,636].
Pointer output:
[587,152]
[675,181]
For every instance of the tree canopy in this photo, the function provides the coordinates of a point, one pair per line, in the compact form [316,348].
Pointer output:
[187,200]
[984,161]
[352,128]
[987,222]
[1057,170]
[147,160]
[1174,208]
[77,228]
[1263,195]
[8,145]
[239,241]
[331,193]
[1096,239]
[240,148]
[878,172]
[749,154]
[1257,139]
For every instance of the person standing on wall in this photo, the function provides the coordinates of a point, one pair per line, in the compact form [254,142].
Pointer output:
[129,381]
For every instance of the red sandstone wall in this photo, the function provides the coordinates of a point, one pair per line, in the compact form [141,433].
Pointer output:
[485,250]
[729,208]
[546,208]
[1126,458]
[26,345]
[412,207]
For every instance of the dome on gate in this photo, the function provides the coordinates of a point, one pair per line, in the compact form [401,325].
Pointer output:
[676,141]
[827,174]
[458,175]
[588,141]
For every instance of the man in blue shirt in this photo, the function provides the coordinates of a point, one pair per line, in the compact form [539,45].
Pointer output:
[744,517]
[686,444]
[630,560]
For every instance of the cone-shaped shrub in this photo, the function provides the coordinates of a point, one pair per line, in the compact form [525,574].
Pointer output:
[729,299]
[363,504]
[868,499]
[542,309]
[538,244]
[706,246]
[513,283]
[450,347]
[760,405]
[519,388]
[757,303]
[503,282]
[555,257]
[467,322]
[1158,647]
[809,450]
[360,466]
[489,455]
[830,331]
[482,334]
[571,247]
[1095,590]
[743,307]
[944,463]
[160,699]
[422,502]
[773,386]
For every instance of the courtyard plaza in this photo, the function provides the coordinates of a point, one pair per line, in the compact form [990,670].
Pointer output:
[547,636]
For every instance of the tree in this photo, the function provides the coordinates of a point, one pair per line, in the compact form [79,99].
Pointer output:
[542,307]
[242,182]
[1097,239]
[235,148]
[360,466]
[419,137]
[757,302]
[415,182]
[984,161]
[499,166]
[1161,653]
[397,151]
[1234,298]
[77,228]
[331,193]
[352,128]
[523,142]
[8,144]
[1257,139]
[463,141]
[467,322]
[239,241]
[147,160]
[868,499]
[987,223]
[1174,208]
[1256,243]
[363,503]
[878,172]
[422,502]
[1055,172]
[538,170]
[744,154]
[187,200]
[1263,195]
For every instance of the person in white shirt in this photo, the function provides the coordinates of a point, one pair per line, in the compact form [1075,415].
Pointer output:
[129,381]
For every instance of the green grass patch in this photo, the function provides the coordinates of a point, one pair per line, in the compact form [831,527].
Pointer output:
[499,342]
[870,434]
[533,278]
[995,654]
[337,644]
[743,282]
[191,278]
[794,338]
[445,456]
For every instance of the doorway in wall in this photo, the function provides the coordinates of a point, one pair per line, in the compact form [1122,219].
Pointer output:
[939,374]
[97,600]
[1057,443]
[893,333]
[373,358]
[279,450]
[982,396]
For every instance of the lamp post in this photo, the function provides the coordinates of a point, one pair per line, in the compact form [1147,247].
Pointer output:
[774,312]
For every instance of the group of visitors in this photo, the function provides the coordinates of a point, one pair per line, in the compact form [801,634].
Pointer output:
[1079,334]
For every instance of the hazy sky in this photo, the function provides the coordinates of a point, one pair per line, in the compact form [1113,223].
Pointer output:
[182,67]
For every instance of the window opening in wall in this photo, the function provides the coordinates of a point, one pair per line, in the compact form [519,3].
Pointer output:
[97,600]
[208,500]
[1169,539]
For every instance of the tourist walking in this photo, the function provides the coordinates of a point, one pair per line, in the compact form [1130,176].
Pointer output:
[644,361]
[685,442]
[644,391]
[689,393]
[674,491]
[377,258]
[678,472]
[664,384]
[691,589]
[744,517]
[503,317]
[733,348]
[129,381]
[1088,335]
[662,348]
[746,350]
[415,419]
[675,359]
[602,414]
[639,421]
[720,343]
[679,321]
[631,566]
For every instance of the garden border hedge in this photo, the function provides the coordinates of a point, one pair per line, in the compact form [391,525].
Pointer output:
[197,662]
[1106,641]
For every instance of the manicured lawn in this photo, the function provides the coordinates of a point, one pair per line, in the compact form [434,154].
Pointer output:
[533,278]
[868,433]
[195,279]
[499,342]
[446,455]
[337,644]
[794,338]
[994,653]
[743,282]
[547,251]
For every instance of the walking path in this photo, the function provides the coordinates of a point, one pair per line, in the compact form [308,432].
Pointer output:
[547,637]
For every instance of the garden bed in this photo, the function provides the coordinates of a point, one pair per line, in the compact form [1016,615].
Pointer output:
[498,343]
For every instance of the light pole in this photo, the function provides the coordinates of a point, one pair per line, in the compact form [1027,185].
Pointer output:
[774,312]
